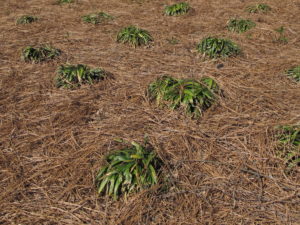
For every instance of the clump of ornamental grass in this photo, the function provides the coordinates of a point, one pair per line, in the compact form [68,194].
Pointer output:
[128,170]
[39,54]
[217,47]
[258,8]
[72,76]
[26,19]
[289,146]
[294,73]
[134,36]
[193,96]
[96,18]
[177,9]
[240,25]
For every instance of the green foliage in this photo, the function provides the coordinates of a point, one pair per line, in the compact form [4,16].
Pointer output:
[289,148]
[26,19]
[282,38]
[72,76]
[134,36]
[128,170]
[280,30]
[217,47]
[177,9]
[64,1]
[39,54]
[96,18]
[294,73]
[258,8]
[173,41]
[191,95]
[140,2]
[240,25]
[290,135]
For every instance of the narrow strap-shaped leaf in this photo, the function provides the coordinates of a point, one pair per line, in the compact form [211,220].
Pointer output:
[101,172]
[117,185]
[102,184]
[112,181]
[153,174]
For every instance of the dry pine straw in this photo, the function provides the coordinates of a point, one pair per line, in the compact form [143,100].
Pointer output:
[222,168]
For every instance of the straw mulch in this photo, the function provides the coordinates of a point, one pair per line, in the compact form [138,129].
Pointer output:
[222,168]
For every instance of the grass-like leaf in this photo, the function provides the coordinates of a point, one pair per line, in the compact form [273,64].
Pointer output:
[128,170]
[72,76]
[191,95]
[258,8]
[217,47]
[96,18]
[294,73]
[240,25]
[26,19]
[39,54]
[177,9]
[289,148]
[134,36]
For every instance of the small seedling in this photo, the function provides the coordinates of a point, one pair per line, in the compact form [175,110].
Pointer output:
[249,36]
[177,9]
[191,95]
[96,18]
[140,2]
[128,170]
[280,30]
[26,19]
[290,135]
[134,36]
[217,47]
[39,54]
[294,73]
[173,41]
[289,145]
[65,1]
[72,76]
[282,38]
[240,25]
[258,8]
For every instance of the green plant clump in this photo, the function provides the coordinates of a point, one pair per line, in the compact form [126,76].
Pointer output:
[217,47]
[289,149]
[258,8]
[39,54]
[72,76]
[128,170]
[134,36]
[282,38]
[173,41]
[26,19]
[96,18]
[65,1]
[290,135]
[177,9]
[294,73]
[240,25]
[191,95]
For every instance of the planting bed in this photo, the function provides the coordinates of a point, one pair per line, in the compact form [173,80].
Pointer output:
[226,166]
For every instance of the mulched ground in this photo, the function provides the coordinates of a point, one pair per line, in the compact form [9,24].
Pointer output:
[223,167]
